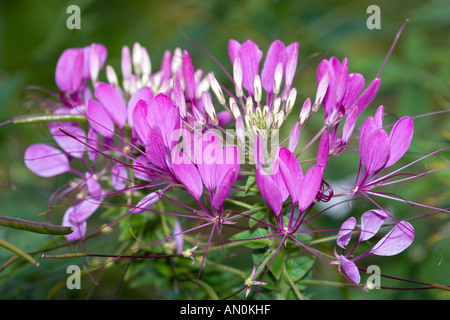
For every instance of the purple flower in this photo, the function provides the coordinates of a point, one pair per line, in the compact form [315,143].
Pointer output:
[344,89]
[377,149]
[286,179]
[395,241]
[76,217]
[75,67]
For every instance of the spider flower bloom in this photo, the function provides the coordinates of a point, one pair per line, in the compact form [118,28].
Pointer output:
[74,69]
[76,216]
[395,241]
[47,161]
[218,167]
[344,90]
[287,179]
[263,98]
[344,97]
[377,149]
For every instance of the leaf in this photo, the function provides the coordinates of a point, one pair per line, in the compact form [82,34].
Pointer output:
[298,267]
[250,183]
[257,215]
[277,264]
[253,234]
[303,238]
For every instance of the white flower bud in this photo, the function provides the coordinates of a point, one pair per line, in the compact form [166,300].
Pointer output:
[276,106]
[277,78]
[237,76]
[209,108]
[215,86]
[291,100]
[137,56]
[258,88]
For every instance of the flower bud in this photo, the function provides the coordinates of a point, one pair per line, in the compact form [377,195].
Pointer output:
[112,76]
[291,100]
[209,108]
[276,106]
[126,62]
[321,91]
[277,78]
[146,64]
[249,105]
[269,119]
[137,56]
[258,88]
[304,113]
[234,108]
[216,88]
[237,76]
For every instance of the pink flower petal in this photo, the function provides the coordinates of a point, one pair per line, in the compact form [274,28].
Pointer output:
[119,177]
[323,150]
[94,187]
[46,161]
[68,143]
[99,118]
[144,93]
[351,270]
[258,152]
[69,70]
[345,232]
[294,136]
[187,174]
[146,202]
[291,63]
[223,188]
[371,222]
[275,54]
[355,84]
[310,186]
[113,102]
[397,240]
[269,190]
[400,139]
[188,74]
[291,172]
[376,153]
[368,95]
[250,56]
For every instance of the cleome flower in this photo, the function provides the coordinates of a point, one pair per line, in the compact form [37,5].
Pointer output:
[378,150]
[395,241]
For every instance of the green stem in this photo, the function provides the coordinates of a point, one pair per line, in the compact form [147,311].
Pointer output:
[328,283]
[39,118]
[225,268]
[292,284]
[208,289]
[19,252]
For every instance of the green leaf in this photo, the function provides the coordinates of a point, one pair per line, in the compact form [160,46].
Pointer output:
[298,267]
[251,235]
[303,238]
[250,182]
[277,264]
[257,215]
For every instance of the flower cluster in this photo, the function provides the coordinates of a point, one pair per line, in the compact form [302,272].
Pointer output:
[176,135]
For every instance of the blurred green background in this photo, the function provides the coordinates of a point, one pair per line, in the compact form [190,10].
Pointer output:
[415,81]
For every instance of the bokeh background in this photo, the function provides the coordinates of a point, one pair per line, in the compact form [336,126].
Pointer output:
[415,81]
